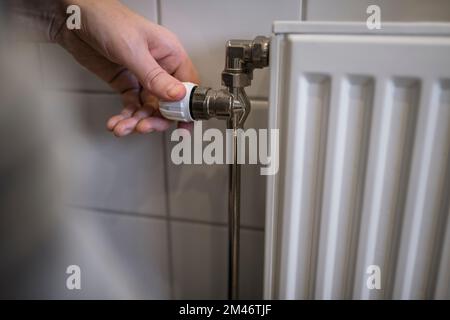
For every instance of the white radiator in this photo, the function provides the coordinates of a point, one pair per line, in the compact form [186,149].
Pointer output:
[364,179]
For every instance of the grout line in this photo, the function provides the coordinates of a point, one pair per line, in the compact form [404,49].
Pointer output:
[303,8]
[158,12]
[215,224]
[162,217]
[117,212]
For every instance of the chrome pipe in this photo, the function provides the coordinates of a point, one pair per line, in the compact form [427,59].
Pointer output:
[234,197]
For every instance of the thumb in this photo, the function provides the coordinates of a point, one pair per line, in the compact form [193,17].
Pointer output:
[155,79]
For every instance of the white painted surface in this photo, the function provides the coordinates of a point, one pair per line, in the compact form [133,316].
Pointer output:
[364,175]
[397,10]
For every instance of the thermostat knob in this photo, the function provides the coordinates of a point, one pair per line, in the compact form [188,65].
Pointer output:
[179,110]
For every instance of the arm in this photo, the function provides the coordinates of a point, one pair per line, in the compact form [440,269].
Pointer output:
[36,20]
[139,59]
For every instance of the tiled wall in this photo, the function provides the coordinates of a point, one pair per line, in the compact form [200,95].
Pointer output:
[141,226]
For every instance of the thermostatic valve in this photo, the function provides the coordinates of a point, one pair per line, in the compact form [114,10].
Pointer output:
[207,103]
[199,103]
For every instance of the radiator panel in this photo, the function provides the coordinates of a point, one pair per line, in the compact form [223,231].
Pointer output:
[364,165]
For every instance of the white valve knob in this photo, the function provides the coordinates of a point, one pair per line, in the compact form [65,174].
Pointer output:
[178,110]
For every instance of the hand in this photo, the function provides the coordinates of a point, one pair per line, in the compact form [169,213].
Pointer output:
[140,60]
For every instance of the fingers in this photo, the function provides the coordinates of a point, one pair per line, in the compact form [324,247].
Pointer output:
[151,124]
[143,120]
[141,114]
[127,125]
[186,125]
[125,114]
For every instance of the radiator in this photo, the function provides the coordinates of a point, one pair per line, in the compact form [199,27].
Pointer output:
[364,181]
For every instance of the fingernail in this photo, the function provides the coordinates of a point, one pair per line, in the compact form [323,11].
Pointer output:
[146,128]
[127,131]
[175,91]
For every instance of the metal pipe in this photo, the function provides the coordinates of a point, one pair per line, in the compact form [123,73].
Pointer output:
[234,192]
[240,111]
[242,56]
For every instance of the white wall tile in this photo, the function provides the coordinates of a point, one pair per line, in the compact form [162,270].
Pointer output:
[399,10]
[204,26]
[146,8]
[200,262]
[208,184]
[120,257]
[26,60]
[61,71]
[102,171]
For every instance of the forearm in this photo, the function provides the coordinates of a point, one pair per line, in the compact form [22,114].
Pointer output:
[39,20]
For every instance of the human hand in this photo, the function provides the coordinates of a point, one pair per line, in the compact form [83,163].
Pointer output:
[140,60]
